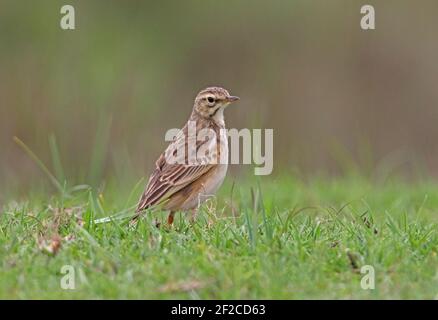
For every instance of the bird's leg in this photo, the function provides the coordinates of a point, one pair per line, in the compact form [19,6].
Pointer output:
[193,215]
[170,218]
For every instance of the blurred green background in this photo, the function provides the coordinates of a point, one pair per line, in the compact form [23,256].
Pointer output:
[336,96]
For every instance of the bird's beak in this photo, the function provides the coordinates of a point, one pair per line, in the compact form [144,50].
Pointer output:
[232,99]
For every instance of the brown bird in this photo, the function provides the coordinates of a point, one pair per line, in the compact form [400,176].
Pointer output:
[192,168]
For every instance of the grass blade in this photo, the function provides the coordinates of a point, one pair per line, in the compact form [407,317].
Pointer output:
[40,164]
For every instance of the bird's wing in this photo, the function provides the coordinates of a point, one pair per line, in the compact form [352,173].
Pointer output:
[164,184]
[169,178]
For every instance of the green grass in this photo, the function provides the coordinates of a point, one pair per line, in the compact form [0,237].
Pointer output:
[287,239]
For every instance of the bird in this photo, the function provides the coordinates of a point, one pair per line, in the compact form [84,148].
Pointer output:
[184,183]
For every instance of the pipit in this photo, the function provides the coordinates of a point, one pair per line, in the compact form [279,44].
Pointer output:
[192,168]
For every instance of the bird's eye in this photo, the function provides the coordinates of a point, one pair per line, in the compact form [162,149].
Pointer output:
[210,100]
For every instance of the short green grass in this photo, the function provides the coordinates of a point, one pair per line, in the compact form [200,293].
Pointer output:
[280,238]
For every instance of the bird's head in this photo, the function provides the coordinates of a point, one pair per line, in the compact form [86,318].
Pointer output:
[211,102]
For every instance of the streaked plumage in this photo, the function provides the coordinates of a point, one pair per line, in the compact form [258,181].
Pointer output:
[185,185]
